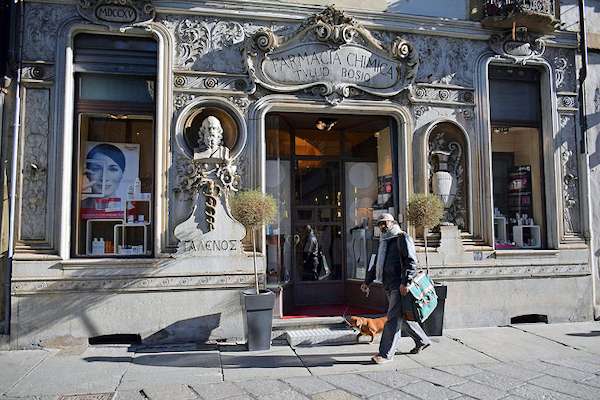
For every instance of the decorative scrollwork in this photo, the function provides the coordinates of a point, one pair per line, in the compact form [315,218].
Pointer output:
[265,40]
[180,81]
[211,83]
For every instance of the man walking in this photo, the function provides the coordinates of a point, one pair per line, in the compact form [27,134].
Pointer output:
[395,266]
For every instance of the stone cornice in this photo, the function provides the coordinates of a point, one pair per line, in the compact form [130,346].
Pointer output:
[276,11]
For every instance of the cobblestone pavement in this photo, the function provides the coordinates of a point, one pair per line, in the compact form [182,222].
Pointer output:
[531,362]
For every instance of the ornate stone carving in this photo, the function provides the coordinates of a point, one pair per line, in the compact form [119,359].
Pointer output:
[443,60]
[206,82]
[117,14]
[181,99]
[34,165]
[567,101]
[563,65]
[43,22]
[210,178]
[129,284]
[330,54]
[420,111]
[524,48]
[197,37]
[241,102]
[597,99]
[513,271]
[446,157]
[438,94]
[570,175]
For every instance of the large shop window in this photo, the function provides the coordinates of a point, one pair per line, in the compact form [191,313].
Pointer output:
[332,176]
[114,146]
[517,160]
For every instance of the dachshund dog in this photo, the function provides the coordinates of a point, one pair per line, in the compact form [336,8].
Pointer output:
[368,326]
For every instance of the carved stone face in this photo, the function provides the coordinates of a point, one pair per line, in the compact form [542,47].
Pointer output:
[211,132]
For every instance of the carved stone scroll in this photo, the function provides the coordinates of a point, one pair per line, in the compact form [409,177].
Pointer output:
[332,54]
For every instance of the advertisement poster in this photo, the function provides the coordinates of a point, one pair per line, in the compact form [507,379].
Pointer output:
[109,170]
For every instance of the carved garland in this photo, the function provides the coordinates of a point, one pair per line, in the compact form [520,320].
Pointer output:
[522,49]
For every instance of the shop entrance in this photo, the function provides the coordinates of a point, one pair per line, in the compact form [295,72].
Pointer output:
[331,175]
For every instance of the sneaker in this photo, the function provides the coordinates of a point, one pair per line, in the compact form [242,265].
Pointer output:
[419,348]
[377,359]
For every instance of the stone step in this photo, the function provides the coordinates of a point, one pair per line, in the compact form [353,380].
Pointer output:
[320,336]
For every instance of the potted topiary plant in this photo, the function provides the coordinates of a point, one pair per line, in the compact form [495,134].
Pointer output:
[254,209]
[426,211]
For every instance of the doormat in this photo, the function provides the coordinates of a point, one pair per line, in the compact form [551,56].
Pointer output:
[333,310]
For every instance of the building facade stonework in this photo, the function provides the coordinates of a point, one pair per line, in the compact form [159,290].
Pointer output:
[243,64]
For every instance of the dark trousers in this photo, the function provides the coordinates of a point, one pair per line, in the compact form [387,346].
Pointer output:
[398,305]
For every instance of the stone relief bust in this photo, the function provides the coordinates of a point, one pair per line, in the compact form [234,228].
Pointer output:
[210,140]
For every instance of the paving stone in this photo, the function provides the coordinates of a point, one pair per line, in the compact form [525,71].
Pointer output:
[532,392]
[459,370]
[218,391]
[500,382]
[392,379]
[555,370]
[438,377]
[264,387]
[356,384]
[287,395]
[335,395]
[129,395]
[568,387]
[171,392]
[592,381]
[479,391]
[309,385]
[393,395]
[16,364]
[428,391]
[578,364]
[511,370]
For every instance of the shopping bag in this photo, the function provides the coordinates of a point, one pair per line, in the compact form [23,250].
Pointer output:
[422,290]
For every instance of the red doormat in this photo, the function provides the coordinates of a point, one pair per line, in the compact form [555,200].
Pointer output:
[333,310]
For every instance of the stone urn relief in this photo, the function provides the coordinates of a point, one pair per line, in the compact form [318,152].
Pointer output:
[447,177]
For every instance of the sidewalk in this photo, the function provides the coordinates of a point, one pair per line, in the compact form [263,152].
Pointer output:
[535,362]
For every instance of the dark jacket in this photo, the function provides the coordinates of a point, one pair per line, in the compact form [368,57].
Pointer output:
[400,264]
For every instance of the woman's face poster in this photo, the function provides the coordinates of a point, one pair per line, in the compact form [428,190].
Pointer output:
[109,170]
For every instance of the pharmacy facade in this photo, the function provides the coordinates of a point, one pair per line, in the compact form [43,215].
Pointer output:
[140,120]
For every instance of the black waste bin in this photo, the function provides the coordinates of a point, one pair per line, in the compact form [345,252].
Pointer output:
[258,318]
[435,323]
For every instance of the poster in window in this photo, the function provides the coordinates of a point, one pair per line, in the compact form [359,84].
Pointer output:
[109,170]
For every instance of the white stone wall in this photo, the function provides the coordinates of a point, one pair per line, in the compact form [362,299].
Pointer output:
[593,111]
[569,15]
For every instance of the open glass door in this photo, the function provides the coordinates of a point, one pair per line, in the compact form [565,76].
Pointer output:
[331,176]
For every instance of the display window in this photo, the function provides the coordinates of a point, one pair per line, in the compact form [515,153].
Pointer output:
[332,176]
[517,161]
[114,160]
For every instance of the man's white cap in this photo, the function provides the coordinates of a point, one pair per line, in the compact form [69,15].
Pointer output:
[385,217]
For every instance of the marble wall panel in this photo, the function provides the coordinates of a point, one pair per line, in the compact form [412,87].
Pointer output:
[34,165]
